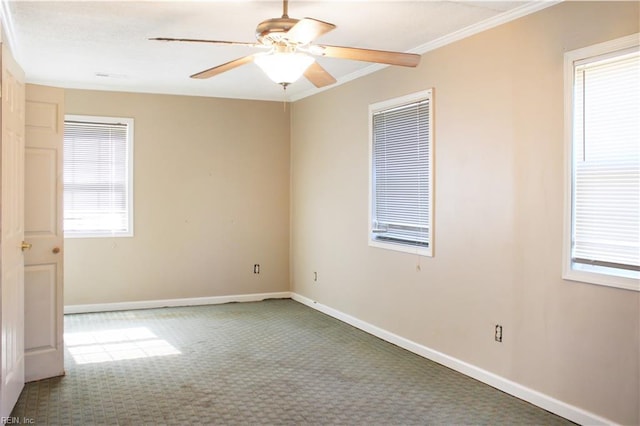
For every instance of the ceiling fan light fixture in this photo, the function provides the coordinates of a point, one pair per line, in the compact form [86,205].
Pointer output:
[292,49]
[284,67]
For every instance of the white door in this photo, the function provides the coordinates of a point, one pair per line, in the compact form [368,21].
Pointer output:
[43,230]
[12,233]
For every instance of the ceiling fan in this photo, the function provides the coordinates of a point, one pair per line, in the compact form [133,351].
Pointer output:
[291,51]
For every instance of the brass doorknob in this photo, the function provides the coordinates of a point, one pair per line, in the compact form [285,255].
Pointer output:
[25,246]
[56,250]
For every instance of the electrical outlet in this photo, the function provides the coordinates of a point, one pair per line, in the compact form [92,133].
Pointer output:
[498,333]
[256,268]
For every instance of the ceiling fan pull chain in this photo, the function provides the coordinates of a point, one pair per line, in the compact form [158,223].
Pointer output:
[284,98]
[291,51]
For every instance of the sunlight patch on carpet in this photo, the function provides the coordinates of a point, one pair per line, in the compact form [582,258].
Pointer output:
[116,345]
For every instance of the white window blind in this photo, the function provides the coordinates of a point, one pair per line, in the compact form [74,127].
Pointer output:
[97,176]
[606,161]
[401,173]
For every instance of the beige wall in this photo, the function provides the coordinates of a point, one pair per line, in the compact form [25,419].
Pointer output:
[211,199]
[498,215]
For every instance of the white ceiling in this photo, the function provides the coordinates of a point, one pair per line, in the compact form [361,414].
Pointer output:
[104,45]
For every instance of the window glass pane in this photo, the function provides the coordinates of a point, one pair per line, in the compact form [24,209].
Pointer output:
[96,178]
[401,173]
[606,164]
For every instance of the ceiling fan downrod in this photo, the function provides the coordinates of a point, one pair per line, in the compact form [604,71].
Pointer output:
[271,31]
[292,51]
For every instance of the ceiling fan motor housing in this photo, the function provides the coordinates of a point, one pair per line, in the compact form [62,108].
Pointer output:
[290,46]
[272,30]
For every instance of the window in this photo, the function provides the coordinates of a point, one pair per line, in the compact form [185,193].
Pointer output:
[98,189]
[602,207]
[401,151]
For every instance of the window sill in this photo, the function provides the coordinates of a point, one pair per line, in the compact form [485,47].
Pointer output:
[420,251]
[105,235]
[627,280]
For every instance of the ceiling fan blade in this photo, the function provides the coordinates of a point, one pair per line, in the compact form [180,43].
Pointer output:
[318,75]
[224,67]
[307,30]
[368,55]
[195,40]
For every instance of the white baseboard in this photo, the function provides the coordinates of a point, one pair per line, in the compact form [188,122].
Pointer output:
[539,399]
[194,301]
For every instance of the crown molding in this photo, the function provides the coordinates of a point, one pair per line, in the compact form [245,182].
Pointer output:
[485,25]
[479,27]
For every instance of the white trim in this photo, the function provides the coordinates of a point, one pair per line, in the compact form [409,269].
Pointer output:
[193,301]
[597,275]
[485,25]
[539,399]
[469,31]
[626,42]
[130,122]
[428,95]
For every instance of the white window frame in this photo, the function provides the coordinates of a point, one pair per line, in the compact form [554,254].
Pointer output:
[130,132]
[572,271]
[399,246]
